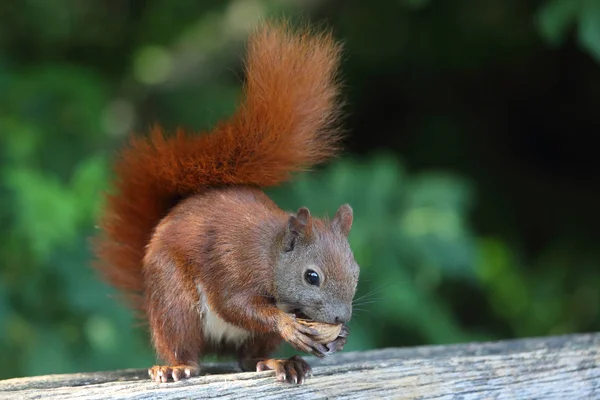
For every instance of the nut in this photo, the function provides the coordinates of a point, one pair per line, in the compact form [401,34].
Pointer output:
[327,332]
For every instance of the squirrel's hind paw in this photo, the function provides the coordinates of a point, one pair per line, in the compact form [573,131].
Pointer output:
[292,370]
[160,373]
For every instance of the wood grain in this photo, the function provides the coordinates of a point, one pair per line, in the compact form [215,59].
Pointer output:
[562,367]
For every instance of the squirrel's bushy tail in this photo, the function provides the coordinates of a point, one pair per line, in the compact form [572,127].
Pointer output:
[286,122]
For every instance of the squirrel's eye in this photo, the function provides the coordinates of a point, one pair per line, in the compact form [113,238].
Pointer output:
[312,277]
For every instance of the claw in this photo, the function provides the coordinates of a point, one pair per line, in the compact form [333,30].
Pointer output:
[344,332]
[162,374]
[293,370]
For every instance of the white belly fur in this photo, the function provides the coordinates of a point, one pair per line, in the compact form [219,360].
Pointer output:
[215,329]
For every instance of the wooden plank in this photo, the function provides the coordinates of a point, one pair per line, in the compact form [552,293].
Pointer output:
[563,367]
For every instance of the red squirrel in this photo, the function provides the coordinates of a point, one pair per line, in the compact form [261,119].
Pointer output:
[214,265]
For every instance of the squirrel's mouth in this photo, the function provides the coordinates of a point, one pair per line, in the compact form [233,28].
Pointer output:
[299,314]
[292,309]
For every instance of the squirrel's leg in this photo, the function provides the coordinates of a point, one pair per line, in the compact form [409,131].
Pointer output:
[174,322]
[255,357]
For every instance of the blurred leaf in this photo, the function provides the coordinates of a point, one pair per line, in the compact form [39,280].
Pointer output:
[47,214]
[434,223]
[555,17]
[589,28]
[89,179]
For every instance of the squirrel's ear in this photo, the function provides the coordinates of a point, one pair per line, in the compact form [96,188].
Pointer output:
[343,219]
[301,223]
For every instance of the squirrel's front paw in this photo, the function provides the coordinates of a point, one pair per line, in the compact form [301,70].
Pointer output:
[299,337]
[160,373]
[339,342]
[292,370]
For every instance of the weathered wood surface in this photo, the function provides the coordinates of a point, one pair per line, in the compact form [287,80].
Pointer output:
[563,367]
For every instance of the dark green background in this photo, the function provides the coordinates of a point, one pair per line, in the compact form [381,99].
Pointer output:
[470,165]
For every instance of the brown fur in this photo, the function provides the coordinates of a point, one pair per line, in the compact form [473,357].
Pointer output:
[202,244]
[187,213]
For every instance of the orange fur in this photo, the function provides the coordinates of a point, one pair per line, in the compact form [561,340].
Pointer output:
[286,123]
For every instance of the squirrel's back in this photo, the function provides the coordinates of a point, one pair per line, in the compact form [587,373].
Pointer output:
[286,122]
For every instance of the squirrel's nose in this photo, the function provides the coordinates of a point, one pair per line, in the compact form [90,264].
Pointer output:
[343,316]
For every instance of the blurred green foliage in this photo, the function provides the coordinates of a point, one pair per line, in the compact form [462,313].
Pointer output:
[76,77]
[556,17]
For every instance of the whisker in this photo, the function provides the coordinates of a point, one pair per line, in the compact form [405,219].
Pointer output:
[366,302]
[372,293]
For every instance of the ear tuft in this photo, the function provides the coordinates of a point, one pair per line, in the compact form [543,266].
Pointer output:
[301,223]
[343,219]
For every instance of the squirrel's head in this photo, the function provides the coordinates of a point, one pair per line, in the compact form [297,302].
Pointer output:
[316,274]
